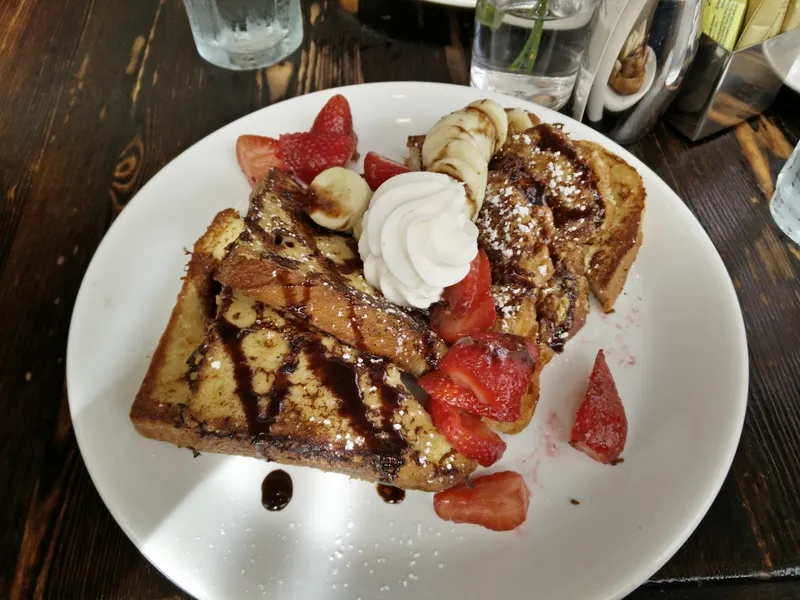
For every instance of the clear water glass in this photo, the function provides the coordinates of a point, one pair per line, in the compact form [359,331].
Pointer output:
[785,203]
[531,49]
[245,34]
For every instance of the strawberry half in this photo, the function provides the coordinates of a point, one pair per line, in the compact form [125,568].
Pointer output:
[462,296]
[257,155]
[377,169]
[601,426]
[496,367]
[451,328]
[440,385]
[467,433]
[335,117]
[498,502]
[309,154]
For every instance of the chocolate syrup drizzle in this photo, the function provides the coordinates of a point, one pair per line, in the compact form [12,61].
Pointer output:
[337,375]
[231,336]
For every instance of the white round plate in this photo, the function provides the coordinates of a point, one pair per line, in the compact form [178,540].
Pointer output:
[676,346]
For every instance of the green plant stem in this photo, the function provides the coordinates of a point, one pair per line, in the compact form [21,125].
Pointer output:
[527,58]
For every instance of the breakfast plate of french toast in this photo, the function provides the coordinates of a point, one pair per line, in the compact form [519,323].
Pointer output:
[407,340]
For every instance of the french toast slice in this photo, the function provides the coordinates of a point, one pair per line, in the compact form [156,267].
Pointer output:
[572,180]
[610,254]
[247,380]
[295,395]
[285,261]
[542,272]
[158,409]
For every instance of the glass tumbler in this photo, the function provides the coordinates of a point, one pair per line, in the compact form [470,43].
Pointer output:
[245,34]
[531,49]
[785,203]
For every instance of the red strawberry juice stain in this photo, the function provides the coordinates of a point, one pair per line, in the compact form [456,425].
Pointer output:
[627,359]
[551,434]
[536,459]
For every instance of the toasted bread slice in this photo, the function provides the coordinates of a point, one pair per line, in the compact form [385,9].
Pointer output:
[571,180]
[610,254]
[514,229]
[295,395]
[249,381]
[539,273]
[563,304]
[164,395]
[284,260]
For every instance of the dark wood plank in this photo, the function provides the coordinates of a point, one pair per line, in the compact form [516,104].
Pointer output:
[416,41]
[727,181]
[57,153]
[719,590]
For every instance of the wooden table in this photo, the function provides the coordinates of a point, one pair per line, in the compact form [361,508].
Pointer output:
[97,96]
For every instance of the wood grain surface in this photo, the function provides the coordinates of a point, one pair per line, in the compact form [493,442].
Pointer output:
[98,95]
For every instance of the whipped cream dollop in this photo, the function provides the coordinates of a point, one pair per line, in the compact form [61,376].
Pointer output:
[417,238]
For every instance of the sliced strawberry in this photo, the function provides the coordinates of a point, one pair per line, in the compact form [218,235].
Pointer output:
[468,433]
[257,155]
[440,385]
[498,501]
[601,426]
[451,328]
[335,117]
[477,284]
[496,367]
[378,169]
[309,154]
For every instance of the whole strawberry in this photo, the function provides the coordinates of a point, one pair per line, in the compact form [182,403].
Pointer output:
[309,154]
[335,117]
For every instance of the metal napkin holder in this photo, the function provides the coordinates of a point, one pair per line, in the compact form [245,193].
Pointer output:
[723,88]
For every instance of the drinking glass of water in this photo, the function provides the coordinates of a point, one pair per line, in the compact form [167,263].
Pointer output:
[531,49]
[245,34]
[785,203]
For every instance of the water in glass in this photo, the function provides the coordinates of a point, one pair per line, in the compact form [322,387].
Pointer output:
[531,48]
[785,203]
[245,34]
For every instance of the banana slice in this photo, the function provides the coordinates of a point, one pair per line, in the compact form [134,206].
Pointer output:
[338,198]
[499,118]
[519,120]
[461,145]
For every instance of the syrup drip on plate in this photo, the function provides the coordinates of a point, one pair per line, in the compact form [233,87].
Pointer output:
[391,495]
[276,490]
